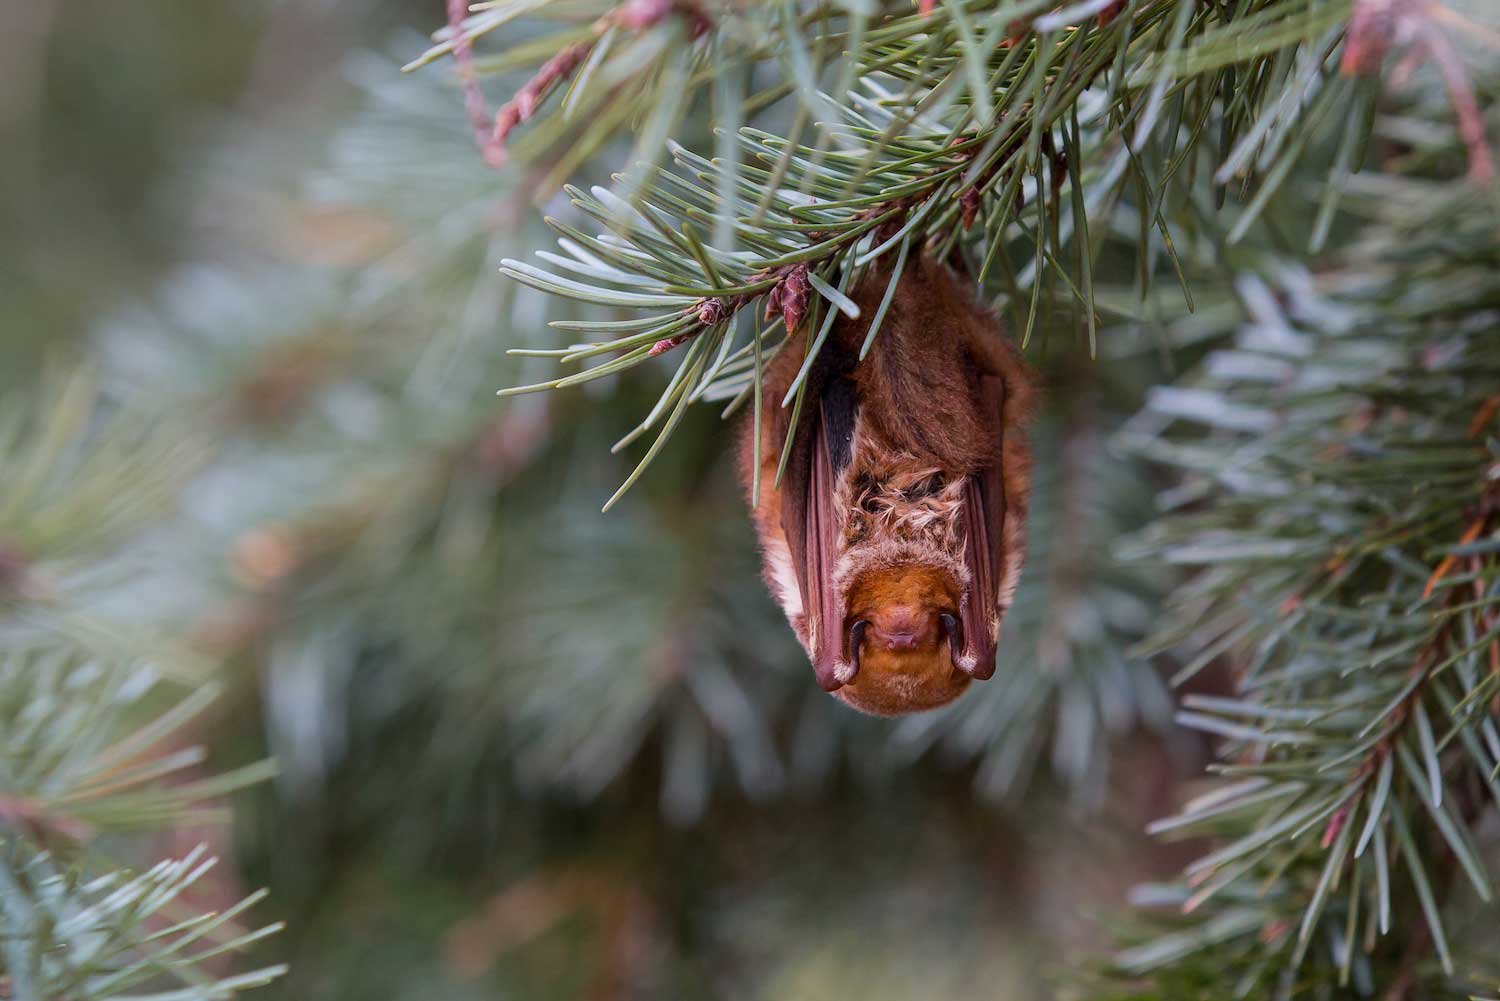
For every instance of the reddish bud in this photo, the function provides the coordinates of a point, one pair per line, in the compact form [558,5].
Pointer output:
[1335,825]
[13,564]
[641,14]
[712,312]
[638,15]
[1274,931]
[794,293]
[1372,25]
[968,206]
[773,303]
[526,100]
[1111,12]
[1376,25]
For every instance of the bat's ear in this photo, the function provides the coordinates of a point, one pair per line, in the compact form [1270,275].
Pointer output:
[953,628]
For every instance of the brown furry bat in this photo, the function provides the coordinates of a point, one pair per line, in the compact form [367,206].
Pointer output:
[896,538]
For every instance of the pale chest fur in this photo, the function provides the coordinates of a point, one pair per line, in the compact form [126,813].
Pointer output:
[888,493]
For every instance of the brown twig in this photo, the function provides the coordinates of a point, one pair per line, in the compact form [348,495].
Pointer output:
[39,821]
[463,55]
[1377,26]
[790,296]
[1430,656]
[635,15]
[523,105]
[13,566]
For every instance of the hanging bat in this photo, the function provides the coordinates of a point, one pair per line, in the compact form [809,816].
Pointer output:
[896,537]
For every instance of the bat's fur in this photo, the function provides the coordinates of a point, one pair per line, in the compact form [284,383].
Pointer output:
[895,494]
[921,429]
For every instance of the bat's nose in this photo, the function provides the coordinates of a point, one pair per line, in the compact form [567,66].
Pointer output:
[900,641]
[903,627]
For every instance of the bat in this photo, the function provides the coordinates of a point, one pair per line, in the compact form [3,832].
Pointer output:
[895,538]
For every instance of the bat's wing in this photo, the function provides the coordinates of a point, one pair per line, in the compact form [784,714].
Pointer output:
[994,510]
[813,527]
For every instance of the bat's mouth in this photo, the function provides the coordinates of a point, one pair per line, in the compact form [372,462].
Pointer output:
[950,629]
[887,679]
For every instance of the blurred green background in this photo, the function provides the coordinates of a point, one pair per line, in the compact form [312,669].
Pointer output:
[525,750]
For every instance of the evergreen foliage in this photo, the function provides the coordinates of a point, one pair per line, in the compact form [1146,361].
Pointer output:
[1253,245]
[1337,514]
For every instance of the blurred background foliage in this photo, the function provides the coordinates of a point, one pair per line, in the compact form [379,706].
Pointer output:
[262,504]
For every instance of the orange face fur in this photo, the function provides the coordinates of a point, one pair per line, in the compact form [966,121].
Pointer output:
[905,661]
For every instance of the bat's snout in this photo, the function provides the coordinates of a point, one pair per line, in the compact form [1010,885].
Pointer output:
[905,627]
[897,641]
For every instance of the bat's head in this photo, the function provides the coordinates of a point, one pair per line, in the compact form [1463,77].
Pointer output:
[902,629]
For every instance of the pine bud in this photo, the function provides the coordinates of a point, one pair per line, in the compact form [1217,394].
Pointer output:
[794,292]
[712,312]
[968,204]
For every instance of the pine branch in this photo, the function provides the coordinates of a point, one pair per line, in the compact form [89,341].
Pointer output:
[78,762]
[93,742]
[948,137]
[66,457]
[67,934]
[411,543]
[1339,513]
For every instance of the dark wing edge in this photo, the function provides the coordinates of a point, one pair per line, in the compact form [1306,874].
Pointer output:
[994,532]
[810,520]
